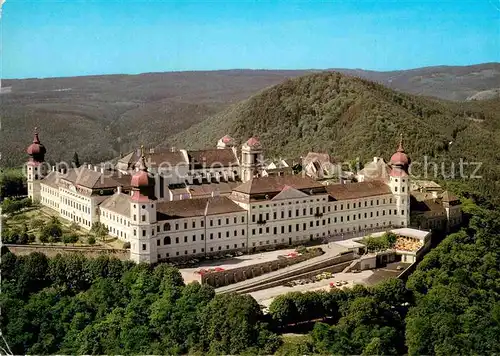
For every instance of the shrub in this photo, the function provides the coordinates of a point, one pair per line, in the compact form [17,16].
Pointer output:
[126,245]
[31,238]
[91,240]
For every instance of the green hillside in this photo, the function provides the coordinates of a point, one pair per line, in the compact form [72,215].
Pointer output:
[351,117]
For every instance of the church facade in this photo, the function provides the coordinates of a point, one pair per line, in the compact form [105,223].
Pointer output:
[184,204]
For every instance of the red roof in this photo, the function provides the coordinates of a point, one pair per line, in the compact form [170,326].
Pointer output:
[36,148]
[399,158]
[254,141]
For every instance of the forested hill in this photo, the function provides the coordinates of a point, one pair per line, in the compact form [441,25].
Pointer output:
[103,115]
[350,117]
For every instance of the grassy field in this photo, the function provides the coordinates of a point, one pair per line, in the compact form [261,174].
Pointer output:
[36,217]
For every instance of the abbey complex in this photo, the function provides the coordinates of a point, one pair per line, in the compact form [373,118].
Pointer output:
[173,204]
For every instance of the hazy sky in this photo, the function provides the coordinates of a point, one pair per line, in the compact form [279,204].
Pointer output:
[43,38]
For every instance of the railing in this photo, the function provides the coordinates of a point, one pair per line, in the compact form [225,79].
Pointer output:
[357,233]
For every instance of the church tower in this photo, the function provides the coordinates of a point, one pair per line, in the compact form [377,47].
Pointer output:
[399,183]
[252,159]
[143,215]
[36,169]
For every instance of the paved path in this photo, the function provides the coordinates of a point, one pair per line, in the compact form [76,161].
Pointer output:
[266,296]
[331,251]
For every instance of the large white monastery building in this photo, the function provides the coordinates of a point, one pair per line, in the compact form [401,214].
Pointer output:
[178,204]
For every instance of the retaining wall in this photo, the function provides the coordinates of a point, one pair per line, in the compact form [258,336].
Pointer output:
[52,251]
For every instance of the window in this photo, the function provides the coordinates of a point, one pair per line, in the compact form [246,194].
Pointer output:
[297,227]
[211,222]
[227,233]
[219,235]
[194,238]
[235,221]
[202,237]
[311,224]
[403,189]
[235,233]
[166,240]
[227,221]
[395,189]
[282,229]
[282,214]
[242,219]
[185,239]
[176,240]
[211,236]
[304,226]
[144,247]
[202,223]
[260,231]
[194,224]
[274,215]
[289,213]
[135,217]
[143,232]
[289,228]
[157,242]
[166,227]
[275,230]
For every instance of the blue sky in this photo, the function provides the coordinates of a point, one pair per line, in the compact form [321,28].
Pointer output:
[43,38]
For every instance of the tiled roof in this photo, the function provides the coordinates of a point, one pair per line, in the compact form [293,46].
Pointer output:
[96,180]
[289,193]
[197,190]
[166,158]
[274,184]
[427,206]
[51,179]
[357,190]
[212,158]
[118,203]
[196,207]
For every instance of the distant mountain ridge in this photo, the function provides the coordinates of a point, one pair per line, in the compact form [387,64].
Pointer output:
[101,116]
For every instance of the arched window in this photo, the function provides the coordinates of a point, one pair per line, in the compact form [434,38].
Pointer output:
[166,227]
[166,240]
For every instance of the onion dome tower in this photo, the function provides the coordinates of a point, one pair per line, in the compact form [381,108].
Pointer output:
[143,214]
[36,170]
[399,183]
[225,142]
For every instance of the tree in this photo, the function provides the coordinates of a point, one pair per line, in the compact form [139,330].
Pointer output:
[76,160]
[12,183]
[91,240]
[99,230]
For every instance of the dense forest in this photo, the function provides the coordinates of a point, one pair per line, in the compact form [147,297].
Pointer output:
[351,118]
[104,115]
[73,305]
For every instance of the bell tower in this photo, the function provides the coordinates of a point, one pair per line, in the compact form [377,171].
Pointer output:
[143,215]
[252,159]
[399,183]
[36,170]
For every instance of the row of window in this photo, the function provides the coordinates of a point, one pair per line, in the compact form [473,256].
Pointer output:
[75,205]
[115,217]
[50,203]
[73,217]
[194,224]
[212,249]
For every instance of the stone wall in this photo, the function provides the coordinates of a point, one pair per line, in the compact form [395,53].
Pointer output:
[224,278]
[52,251]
